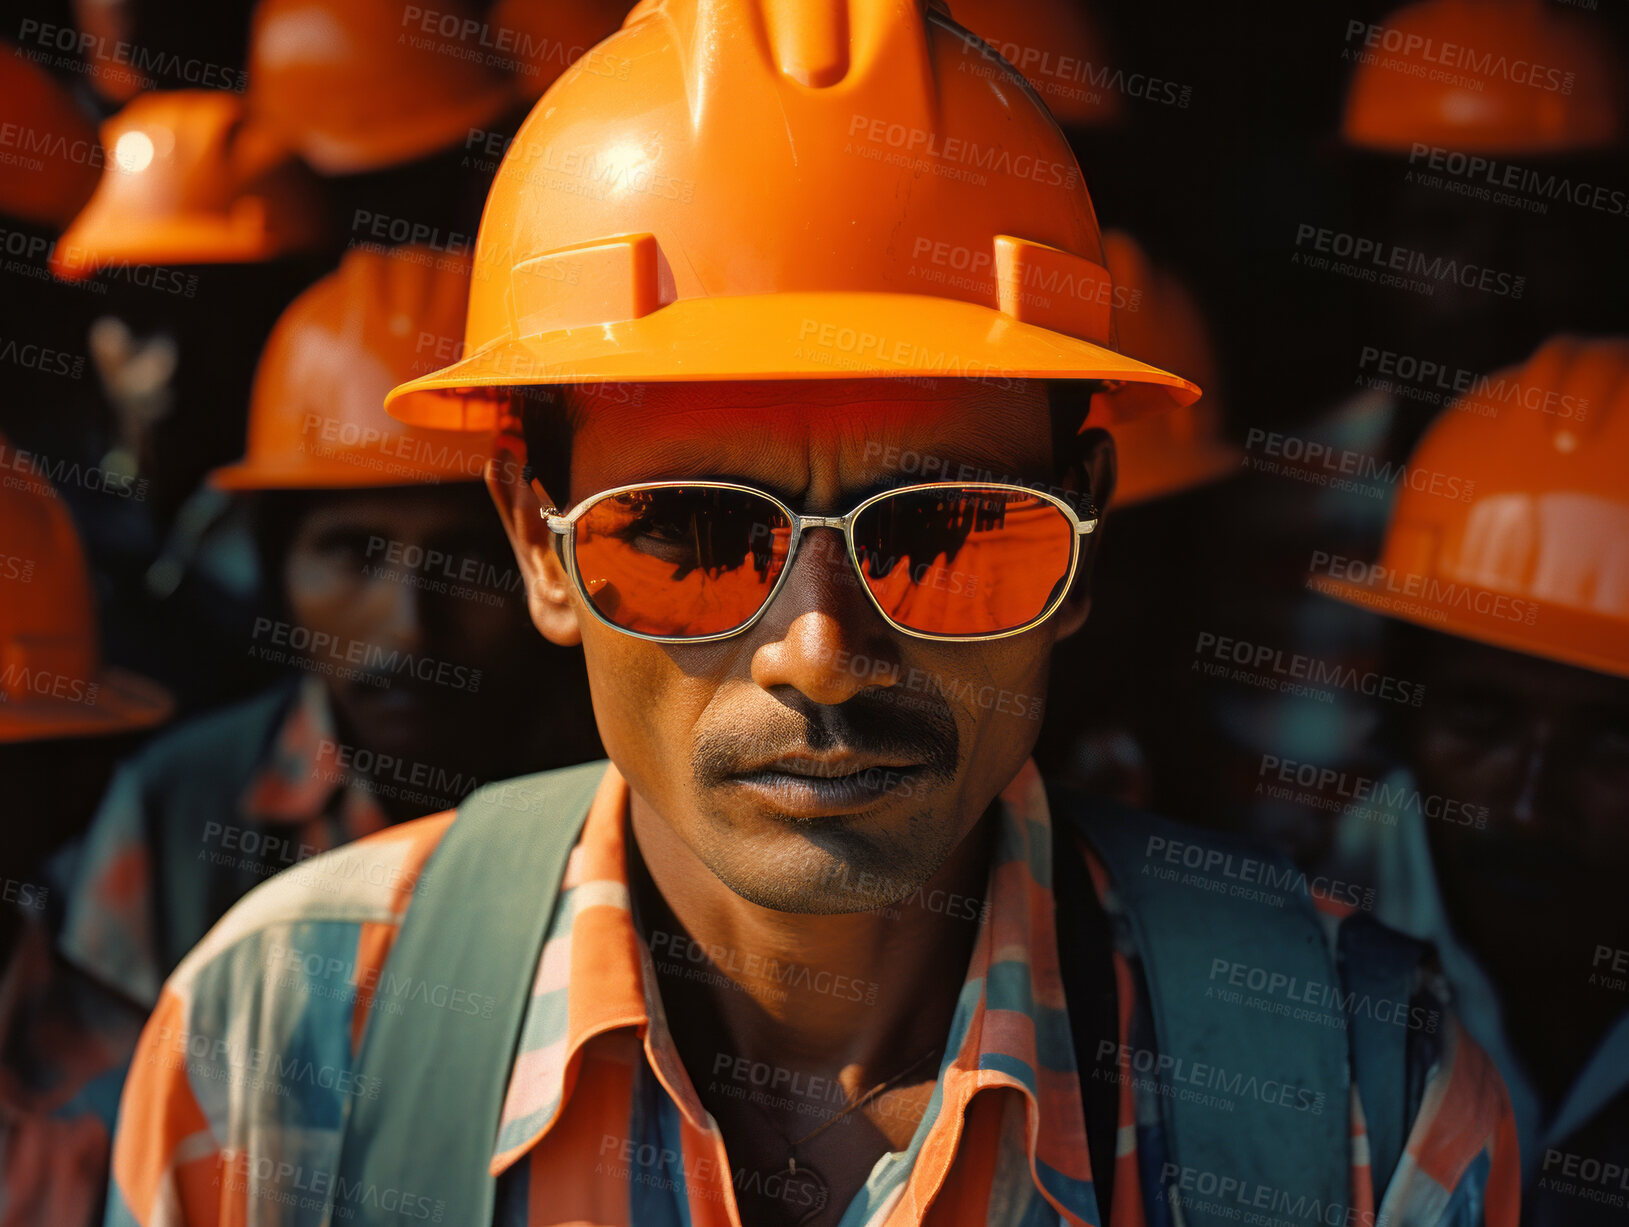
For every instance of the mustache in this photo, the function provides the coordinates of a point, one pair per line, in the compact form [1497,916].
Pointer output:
[870,725]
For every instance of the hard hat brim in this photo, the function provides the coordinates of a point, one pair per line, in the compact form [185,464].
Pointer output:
[317,474]
[96,240]
[801,335]
[125,703]
[1567,636]
[336,152]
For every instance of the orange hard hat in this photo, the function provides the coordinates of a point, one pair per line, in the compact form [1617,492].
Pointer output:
[316,414]
[1158,321]
[1481,76]
[785,189]
[540,39]
[187,180]
[110,25]
[1511,525]
[1057,46]
[56,170]
[357,85]
[52,682]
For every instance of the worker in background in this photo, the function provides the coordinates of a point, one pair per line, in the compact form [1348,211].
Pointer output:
[65,717]
[401,630]
[1502,833]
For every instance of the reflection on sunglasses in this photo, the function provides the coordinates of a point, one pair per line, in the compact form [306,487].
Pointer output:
[697,560]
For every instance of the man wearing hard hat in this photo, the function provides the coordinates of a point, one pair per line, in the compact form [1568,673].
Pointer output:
[65,717]
[1502,838]
[399,625]
[816,945]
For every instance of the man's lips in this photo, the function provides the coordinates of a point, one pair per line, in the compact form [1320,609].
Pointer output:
[824,785]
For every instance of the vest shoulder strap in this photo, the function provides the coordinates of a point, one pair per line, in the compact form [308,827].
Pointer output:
[482,932]
[1253,1087]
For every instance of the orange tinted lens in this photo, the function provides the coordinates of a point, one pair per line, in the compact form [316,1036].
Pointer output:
[681,561]
[958,561]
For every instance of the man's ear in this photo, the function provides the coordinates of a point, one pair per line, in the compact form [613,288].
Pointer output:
[549,595]
[1092,467]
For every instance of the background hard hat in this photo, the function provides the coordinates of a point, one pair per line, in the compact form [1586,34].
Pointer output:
[1513,529]
[1457,99]
[110,24]
[58,174]
[1058,47]
[187,180]
[545,37]
[52,683]
[785,190]
[357,85]
[316,415]
[1157,319]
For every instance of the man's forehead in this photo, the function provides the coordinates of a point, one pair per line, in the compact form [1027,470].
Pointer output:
[867,428]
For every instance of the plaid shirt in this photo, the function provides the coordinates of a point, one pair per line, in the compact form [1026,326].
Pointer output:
[215,1130]
[296,802]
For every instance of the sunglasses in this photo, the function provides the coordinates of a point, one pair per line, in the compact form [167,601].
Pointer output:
[692,561]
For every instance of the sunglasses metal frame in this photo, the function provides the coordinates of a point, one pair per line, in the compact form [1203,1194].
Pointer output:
[564,526]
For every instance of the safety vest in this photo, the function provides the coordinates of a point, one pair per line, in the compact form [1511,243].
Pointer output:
[497,873]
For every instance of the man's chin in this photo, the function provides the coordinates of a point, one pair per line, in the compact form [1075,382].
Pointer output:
[830,866]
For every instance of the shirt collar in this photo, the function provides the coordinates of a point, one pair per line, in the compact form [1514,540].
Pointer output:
[1012,1030]
[300,772]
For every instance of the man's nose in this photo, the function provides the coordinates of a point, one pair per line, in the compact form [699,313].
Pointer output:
[398,608]
[822,635]
[1536,784]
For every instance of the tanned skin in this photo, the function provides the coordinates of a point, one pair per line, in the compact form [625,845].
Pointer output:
[770,870]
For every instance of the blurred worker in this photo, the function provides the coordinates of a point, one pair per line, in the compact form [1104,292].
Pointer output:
[815,518]
[64,719]
[400,613]
[1504,835]
[1456,153]
[1459,274]
[200,231]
